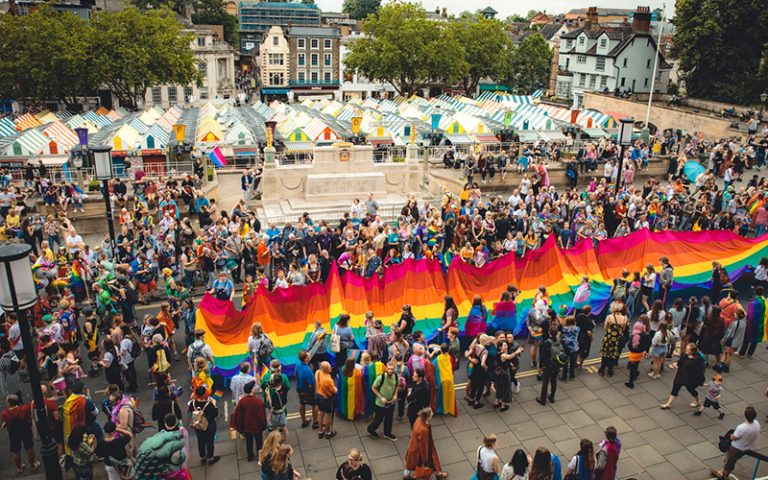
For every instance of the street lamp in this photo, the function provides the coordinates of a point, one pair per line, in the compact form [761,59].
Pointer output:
[626,128]
[80,155]
[269,150]
[763,99]
[102,159]
[18,295]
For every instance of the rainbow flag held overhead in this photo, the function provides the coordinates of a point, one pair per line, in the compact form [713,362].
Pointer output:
[287,314]
[446,394]
[351,398]
[217,158]
[370,373]
[505,317]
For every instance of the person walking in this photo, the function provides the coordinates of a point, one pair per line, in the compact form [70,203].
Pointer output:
[421,458]
[610,350]
[385,390]
[659,348]
[690,374]
[743,439]
[17,420]
[551,354]
[306,388]
[250,419]
[203,413]
[488,461]
[639,342]
[666,278]
[418,396]
[326,399]
[607,458]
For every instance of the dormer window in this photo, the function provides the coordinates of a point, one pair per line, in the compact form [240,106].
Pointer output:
[603,42]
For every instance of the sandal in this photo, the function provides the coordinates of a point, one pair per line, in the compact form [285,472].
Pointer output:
[305,423]
[330,434]
[442,475]
[315,426]
[20,470]
[35,467]
[504,408]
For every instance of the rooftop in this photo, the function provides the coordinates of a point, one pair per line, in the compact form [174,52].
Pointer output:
[312,32]
[276,5]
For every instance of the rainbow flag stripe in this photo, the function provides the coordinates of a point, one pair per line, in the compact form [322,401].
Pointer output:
[287,314]
[757,316]
[350,398]
[446,395]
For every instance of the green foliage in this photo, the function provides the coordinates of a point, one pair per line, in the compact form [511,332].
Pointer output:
[360,9]
[486,50]
[402,47]
[515,18]
[722,47]
[47,55]
[530,66]
[177,6]
[130,63]
[214,12]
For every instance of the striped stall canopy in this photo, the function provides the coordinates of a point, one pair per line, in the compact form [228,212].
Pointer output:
[155,138]
[64,137]
[29,142]
[26,121]
[7,127]
[516,99]
[98,120]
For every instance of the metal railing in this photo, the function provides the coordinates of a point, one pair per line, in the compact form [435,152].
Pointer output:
[388,213]
[294,158]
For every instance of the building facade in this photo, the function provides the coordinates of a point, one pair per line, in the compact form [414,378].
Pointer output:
[358,86]
[274,56]
[598,58]
[313,62]
[256,18]
[216,62]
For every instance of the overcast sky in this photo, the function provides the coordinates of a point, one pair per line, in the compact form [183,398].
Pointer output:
[510,7]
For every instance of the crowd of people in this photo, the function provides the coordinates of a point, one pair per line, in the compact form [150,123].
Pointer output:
[174,243]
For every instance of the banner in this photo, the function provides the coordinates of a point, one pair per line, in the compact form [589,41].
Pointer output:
[287,315]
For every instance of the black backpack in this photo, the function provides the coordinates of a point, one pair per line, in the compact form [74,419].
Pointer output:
[135,348]
[558,354]
[724,442]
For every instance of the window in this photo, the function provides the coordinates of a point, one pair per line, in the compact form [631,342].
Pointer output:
[623,80]
[301,43]
[187,93]
[581,40]
[301,77]
[603,42]
[276,58]
[200,41]
[327,77]
[603,82]
[569,43]
[276,78]
[173,95]
[600,64]
[203,68]
[648,63]
[314,77]
[581,59]
[301,59]
[625,63]
[157,95]
[582,79]
[203,94]
[327,44]
[327,59]
[646,82]
[275,41]
[592,81]
[315,43]
[314,59]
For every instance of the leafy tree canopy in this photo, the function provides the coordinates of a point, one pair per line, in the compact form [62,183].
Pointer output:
[360,9]
[486,50]
[531,64]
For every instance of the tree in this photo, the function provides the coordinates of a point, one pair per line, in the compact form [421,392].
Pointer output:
[214,12]
[721,47]
[47,55]
[515,18]
[486,46]
[402,47]
[137,50]
[531,64]
[178,6]
[360,9]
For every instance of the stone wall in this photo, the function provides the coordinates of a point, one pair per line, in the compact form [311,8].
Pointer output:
[664,117]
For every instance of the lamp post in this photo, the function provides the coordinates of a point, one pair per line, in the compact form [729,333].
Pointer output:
[79,156]
[626,127]
[763,100]
[18,295]
[102,159]
[435,118]
[269,150]
[179,130]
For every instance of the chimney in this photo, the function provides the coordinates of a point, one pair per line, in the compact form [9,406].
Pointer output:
[445,12]
[437,10]
[641,21]
[591,22]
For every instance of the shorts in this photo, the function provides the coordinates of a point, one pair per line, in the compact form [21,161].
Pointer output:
[276,420]
[535,340]
[325,404]
[647,291]
[307,398]
[659,350]
[24,438]
[711,403]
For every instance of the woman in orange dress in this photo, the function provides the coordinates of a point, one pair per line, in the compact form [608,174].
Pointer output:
[421,452]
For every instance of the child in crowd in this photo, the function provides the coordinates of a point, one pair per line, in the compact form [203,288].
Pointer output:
[714,393]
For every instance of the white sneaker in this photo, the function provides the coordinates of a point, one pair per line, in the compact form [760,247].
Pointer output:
[650,374]
[517,387]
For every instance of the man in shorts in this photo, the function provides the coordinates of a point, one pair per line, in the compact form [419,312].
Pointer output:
[17,420]
[326,399]
[306,387]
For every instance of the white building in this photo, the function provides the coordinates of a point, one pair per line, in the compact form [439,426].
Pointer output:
[599,58]
[358,86]
[216,62]
[274,62]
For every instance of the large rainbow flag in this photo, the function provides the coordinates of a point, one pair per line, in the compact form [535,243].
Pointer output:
[287,314]
[370,373]
[446,394]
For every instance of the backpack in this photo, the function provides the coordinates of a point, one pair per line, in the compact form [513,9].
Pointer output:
[620,290]
[135,348]
[266,347]
[558,354]
[724,442]
[198,420]
[724,278]
[197,350]
[138,424]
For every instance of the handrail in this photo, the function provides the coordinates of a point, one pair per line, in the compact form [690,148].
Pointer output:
[759,457]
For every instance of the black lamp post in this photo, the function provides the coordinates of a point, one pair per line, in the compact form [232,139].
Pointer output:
[626,128]
[18,295]
[102,159]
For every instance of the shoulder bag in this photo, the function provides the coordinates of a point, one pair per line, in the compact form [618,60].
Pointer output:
[334,345]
